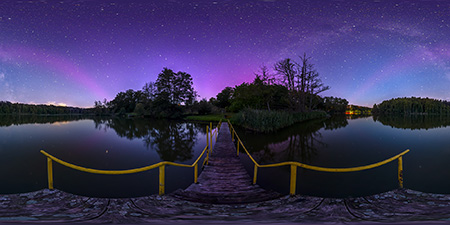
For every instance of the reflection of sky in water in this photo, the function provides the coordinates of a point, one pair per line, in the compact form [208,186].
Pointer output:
[353,143]
[361,142]
[83,144]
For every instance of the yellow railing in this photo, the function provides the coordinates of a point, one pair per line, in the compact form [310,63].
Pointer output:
[294,165]
[161,165]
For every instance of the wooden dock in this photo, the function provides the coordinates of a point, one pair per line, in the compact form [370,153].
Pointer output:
[224,180]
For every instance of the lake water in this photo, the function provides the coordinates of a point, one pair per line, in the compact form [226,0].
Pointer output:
[116,144]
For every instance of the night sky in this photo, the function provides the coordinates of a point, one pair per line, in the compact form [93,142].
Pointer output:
[76,52]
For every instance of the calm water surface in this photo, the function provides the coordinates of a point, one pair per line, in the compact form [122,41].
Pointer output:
[101,144]
[341,142]
[115,144]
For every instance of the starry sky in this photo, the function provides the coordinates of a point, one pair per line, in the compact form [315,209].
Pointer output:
[73,52]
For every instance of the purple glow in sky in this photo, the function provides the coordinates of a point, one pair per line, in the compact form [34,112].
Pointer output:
[76,52]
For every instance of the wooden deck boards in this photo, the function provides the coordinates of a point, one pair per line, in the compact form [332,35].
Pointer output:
[224,180]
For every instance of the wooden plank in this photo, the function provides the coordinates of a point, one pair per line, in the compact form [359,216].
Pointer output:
[225,180]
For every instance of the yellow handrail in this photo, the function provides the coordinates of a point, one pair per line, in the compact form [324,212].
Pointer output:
[294,165]
[161,165]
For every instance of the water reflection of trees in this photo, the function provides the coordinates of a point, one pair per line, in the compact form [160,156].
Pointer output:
[9,120]
[413,122]
[299,143]
[173,141]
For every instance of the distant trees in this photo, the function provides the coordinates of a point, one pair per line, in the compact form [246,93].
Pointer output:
[334,105]
[259,95]
[412,105]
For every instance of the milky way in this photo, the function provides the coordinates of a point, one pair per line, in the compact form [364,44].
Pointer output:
[77,52]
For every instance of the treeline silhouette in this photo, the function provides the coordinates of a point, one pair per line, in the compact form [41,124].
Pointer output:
[412,106]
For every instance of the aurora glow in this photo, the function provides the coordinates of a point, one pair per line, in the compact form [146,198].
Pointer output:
[75,52]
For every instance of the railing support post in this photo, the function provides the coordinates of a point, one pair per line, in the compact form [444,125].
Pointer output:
[238,143]
[255,174]
[196,173]
[207,136]
[293,179]
[207,146]
[400,172]
[232,135]
[161,179]
[50,173]
[211,136]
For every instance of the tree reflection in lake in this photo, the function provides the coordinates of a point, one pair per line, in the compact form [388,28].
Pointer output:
[9,120]
[173,141]
[413,122]
[299,142]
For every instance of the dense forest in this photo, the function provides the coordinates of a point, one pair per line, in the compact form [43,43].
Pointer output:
[412,106]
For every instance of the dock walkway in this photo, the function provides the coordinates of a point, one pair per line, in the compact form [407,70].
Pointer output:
[224,180]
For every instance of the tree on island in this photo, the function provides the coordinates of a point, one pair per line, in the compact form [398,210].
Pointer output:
[294,87]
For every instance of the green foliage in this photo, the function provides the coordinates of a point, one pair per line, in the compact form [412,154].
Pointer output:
[176,88]
[268,121]
[207,118]
[139,109]
[164,109]
[358,110]
[166,98]
[334,105]
[223,99]
[126,100]
[259,95]
[412,106]
[204,107]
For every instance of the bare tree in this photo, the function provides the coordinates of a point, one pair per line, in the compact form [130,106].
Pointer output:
[301,80]
[287,71]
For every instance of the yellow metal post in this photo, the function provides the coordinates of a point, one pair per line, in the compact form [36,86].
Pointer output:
[207,144]
[207,136]
[161,179]
[255,174]
[211,136]
[400,172]
[195,173]
[50,173]
[232,135]
[238,143]
[293,179]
